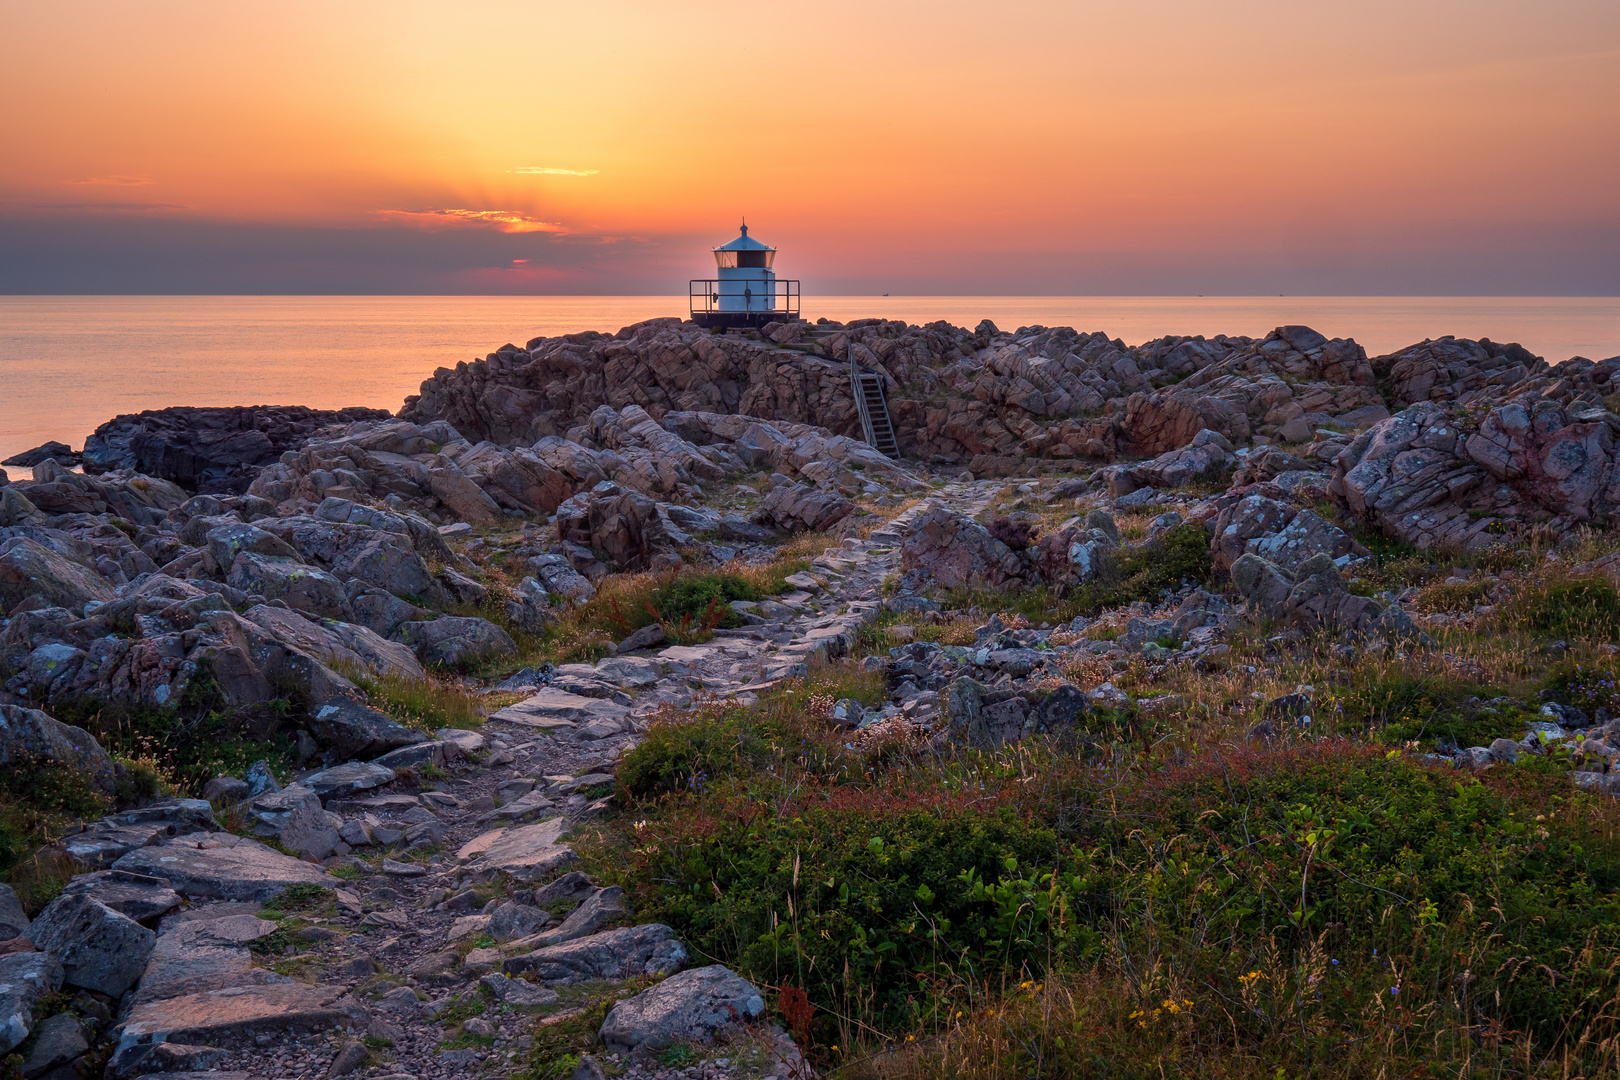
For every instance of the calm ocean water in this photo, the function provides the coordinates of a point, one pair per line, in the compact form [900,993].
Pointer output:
[69,363]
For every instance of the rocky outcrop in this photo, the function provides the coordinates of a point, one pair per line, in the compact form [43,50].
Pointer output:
[1274,530]
[1438,475]
[29,739]
[61,453]
[623,525]
[1451,368]
[955,395]
[29,570]
[692,1006]
[55,490]
[100,949]
[431,469]
[797,507]
[209,449]
[956,551]
[1314,597]
[1287,383]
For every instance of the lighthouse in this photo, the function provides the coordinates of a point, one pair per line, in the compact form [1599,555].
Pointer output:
[746,291]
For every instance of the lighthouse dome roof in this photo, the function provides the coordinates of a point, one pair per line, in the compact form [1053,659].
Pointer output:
[745,242]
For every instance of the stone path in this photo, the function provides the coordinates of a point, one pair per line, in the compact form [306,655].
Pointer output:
[423,966]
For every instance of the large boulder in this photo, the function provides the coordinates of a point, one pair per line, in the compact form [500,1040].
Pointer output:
[693,1006]
[1276,531]
[956,551]
[354,730]
[100,948]
[625,525]
[61,453]
[298,585]
[796,507]
[334,642]
[649,949]
[1314,597]
[455,640]
[30,569]
[559,578]
[25,979]
[524,852]
[225,542]
[386,563]
[461,495]
[223,866]
[30,739]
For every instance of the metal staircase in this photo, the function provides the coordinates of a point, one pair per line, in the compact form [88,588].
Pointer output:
[872,401]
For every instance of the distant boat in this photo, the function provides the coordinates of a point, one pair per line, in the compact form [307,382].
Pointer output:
[885,294]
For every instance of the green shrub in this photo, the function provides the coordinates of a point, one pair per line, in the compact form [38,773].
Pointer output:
[1425,710]
[877,898]
[1145,572]
[1587,688]
[861,889]
[690,597]
[786,730]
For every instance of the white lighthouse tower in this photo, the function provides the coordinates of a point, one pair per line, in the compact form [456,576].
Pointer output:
[747,291]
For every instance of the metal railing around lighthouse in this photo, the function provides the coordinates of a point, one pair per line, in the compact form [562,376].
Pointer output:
[782,298]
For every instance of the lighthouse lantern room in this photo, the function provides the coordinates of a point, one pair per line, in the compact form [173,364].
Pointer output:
[747,291]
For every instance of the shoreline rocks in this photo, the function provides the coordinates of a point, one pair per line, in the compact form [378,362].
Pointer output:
[209,450]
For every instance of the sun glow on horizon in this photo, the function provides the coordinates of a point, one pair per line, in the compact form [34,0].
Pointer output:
[941,146]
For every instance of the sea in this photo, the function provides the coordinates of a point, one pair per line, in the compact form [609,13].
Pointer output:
[69,363]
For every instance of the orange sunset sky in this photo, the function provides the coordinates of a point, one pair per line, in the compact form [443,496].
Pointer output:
[913,146]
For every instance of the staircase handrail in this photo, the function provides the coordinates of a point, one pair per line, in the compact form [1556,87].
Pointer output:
[858,390]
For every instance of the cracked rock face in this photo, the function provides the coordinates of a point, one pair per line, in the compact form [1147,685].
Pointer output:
[1430,476]
[100,949]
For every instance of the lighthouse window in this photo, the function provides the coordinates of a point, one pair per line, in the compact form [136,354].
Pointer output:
[752,258]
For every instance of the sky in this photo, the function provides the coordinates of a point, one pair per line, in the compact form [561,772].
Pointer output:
[919,147]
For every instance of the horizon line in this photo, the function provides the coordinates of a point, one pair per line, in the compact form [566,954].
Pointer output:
[852,296]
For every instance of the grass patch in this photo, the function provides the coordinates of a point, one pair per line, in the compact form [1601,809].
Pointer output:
[1453,596]
[425,704]
[1560,605]
[183,747]
[875,636]
[1426,710]
[786,729]
[626,602]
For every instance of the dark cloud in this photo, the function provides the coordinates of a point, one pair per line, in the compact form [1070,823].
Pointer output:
[113,207]
[119,253]
[128,252]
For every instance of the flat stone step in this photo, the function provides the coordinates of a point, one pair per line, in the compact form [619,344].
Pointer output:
[209,1017]
[225,866]
[526,851]
[551,709]
[197,955]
